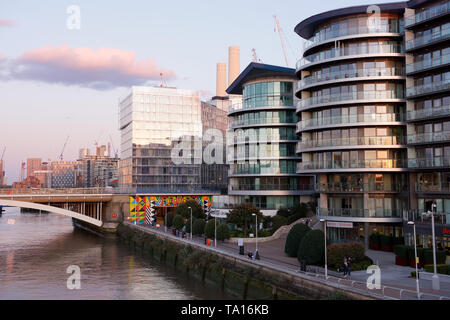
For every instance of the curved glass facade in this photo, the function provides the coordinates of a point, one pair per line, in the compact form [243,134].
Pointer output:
[263,117]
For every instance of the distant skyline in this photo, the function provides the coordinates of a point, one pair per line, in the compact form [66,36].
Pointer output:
[57,82]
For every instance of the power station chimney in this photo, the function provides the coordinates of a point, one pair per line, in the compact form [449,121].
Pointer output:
[221,79]
[234,63]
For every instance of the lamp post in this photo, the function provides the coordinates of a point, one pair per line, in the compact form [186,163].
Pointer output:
[254,214]
[435,277]
[191,221]
[411,223]
[215,232]
[325,233]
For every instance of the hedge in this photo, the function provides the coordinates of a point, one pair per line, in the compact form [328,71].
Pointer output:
[440,268]
[294,238]
[311,248]
[337,252]
[374,241]
[386,242]
[440,256]
[278,221]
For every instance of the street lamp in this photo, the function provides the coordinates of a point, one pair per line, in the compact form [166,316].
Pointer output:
[191,221]
[325,233]
[411,223]
[215,232]
[254,214]
[435,278]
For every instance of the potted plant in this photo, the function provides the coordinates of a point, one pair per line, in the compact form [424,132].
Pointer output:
[401,255]
[386,243]
[374,241]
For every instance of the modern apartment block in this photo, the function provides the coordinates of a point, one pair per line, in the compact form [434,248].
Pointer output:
[262,143]
[374,117]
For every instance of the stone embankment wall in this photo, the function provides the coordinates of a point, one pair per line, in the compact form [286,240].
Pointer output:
[239,277]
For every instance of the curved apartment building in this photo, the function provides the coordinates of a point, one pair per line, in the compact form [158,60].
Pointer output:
[352,118]
[262,140]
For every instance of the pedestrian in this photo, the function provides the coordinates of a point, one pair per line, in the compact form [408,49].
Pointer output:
[250,255]
[345,267]
[349,265]
[307,222]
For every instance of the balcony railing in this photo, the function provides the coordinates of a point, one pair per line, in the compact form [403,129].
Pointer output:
[441,217]
[428,88]
[350,51]
[357,164]
[55,191]
[437,10]
[443,136]
[432,187]
[372,72]
[436,162]
[235,123]
[349,119]
[428,113]
[354,141]
[360,213]
[272,187]
[428,63]
[319,38]
[428,39]
[350,96]
[361,187]
[237,106]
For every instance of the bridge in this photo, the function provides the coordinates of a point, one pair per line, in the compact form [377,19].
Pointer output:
[100,208]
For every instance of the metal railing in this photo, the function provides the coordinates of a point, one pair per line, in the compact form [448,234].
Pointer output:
[443,136]
[272,187]
[238,106]
[431,12]
[52,191]
[348,119]
[354,141]
[359,164]
[360,213]
[427,64]
[432,187]
[371,72]
[350,96]
[235,123]
[428,39]
[428,113]
[428,88]
[361,187]
[435,162]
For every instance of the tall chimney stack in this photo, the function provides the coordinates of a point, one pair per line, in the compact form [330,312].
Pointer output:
[221,79]
[234,64]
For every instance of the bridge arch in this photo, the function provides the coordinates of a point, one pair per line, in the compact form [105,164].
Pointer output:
[43,207]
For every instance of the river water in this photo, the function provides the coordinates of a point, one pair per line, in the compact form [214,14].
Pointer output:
[37,249]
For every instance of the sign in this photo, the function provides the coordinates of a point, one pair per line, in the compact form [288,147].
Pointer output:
[240,242]
[345,225]
[218,214]
[446,232]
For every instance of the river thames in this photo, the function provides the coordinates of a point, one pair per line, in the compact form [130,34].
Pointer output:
[37,249]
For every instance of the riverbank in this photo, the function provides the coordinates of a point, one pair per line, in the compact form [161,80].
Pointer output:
[248,279]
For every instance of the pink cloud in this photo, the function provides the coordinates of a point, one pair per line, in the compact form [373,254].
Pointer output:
[6,23]
[104,68]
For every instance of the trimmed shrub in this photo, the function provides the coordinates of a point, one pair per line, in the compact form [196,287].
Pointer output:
[198,227]
[223,232]
[398,240]
[401,255]
[311,248]
[188,224]
[169,219]
[294,238]
[283,212]
[197,209]
[178,222]
[440,256]
[337,252]
[278,221]
[374,241]
[209,229]
[386,242]
[298,211]
[440,268]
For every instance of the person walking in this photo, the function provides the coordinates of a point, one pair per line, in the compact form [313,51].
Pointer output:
[345,266]
[349,265]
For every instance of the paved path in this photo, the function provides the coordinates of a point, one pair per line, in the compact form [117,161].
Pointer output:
[394,278]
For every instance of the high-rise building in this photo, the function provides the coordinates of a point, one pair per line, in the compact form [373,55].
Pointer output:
[63,174]
[351,118]
[262,146]
[33,164]
[96,171]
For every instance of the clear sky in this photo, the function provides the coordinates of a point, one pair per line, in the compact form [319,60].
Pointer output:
[57,82]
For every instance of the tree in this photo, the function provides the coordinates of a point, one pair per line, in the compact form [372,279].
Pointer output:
[198,227]
[242,216]
[178,222]
[169,219]
[278,221]
[210,229]
[284,212]
[300,210]
[223,232]
[185,212]
[294,238]
[311,248]
[188,224]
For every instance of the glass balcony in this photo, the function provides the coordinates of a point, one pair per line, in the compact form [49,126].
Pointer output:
[428,39]
[272,187]
[357,164]
[372,72]
[432,187]
[436,162]
[350,96]
[354,141]
[434,11]
[428,64]
[364,187]
[237,106]
[428,88]
[443,136]
[236,123]
[363,48]
[441,217]
[342,32]
[360,213]
[428,113]
[350,119]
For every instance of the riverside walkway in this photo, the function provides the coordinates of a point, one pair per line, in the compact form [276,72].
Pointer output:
[272,256]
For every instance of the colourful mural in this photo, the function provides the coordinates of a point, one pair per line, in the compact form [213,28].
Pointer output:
[139,204]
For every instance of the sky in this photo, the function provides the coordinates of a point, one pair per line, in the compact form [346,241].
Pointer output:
[59,81]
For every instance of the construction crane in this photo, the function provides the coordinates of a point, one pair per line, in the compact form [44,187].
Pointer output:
[283,40]
[116,155]
[163,82]
[64,147]
[254,56]
[3,154]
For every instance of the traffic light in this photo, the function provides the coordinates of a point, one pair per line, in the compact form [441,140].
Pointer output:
[206,209]
[151,213]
